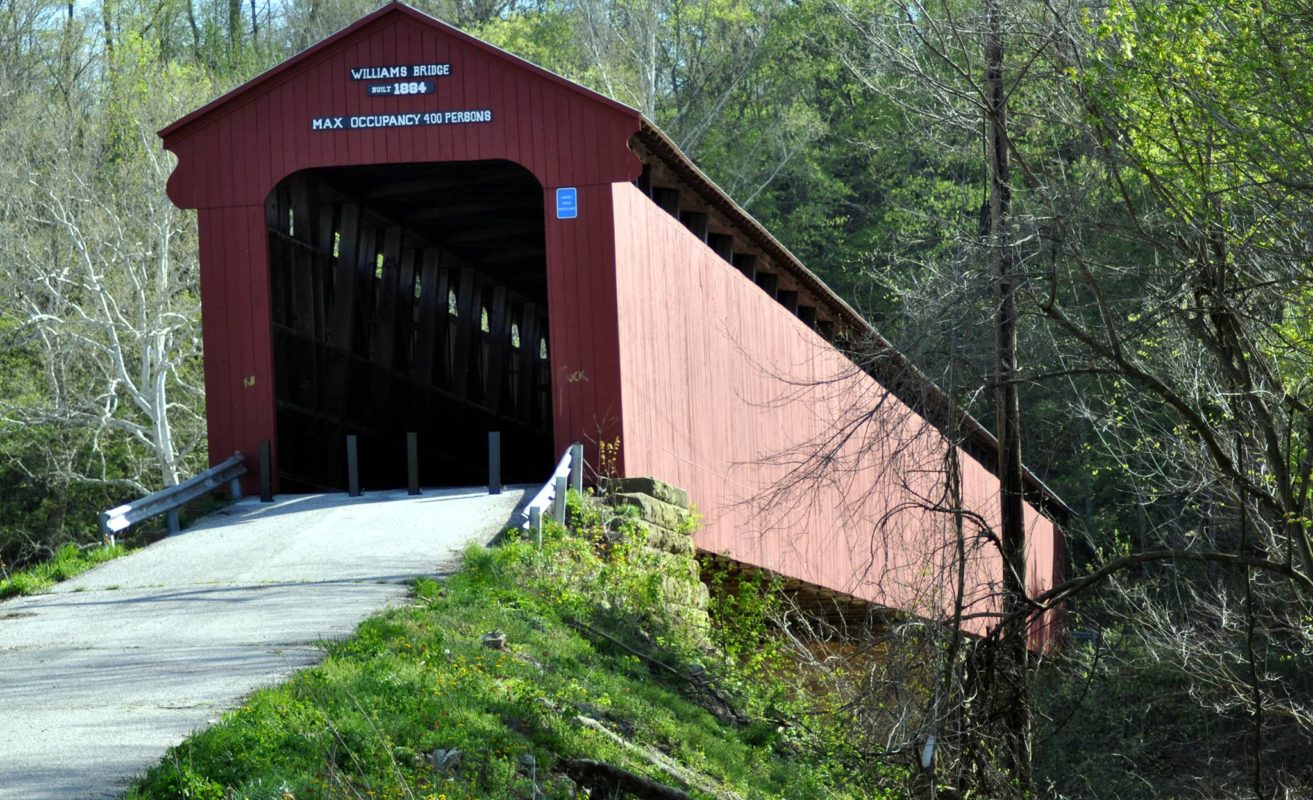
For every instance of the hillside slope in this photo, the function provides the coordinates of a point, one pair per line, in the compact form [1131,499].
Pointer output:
[553,672]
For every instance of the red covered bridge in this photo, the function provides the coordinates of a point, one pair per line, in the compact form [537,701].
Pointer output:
[406,229]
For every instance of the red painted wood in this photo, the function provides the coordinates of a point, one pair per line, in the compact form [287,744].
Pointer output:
[654,339]
[725,393]
[235,150]
[582,333]
[214,328]
[236,325]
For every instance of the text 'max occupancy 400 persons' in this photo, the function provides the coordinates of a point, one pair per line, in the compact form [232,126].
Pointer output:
[401,120]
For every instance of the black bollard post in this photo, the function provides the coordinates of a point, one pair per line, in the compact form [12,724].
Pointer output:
[352,467]
[494,462]
[412,462]
[266,472]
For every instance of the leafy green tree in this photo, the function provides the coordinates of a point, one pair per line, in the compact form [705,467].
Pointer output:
[99,305]
[1160,217]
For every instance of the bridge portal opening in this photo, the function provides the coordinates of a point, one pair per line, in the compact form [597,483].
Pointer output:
[409,298]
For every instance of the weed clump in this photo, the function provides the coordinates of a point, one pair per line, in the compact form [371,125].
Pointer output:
[69,561]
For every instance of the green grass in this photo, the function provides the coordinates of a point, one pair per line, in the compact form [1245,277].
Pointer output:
[68,561]
[418,679]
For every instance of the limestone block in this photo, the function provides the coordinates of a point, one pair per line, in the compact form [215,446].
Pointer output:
[679,567]
[655,488]
[658,512]
[666,540]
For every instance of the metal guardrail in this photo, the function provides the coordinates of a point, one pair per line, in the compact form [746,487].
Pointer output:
[551,498]
[169,500]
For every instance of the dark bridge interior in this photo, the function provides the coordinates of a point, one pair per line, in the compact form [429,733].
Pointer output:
[409,298]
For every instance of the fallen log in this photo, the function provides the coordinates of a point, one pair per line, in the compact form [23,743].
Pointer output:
[607,778]
[663,762]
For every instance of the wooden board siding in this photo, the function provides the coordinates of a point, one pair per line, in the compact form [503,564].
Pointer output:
[234,151]
[655,338]
[725,392]
[237,330]
[583,323]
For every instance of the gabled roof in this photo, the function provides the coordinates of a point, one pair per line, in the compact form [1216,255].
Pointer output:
[388,12]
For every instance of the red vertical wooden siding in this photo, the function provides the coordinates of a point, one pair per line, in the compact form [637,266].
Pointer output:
[233,152]
[584,333]
[237,329]
[708,382]
[725,391]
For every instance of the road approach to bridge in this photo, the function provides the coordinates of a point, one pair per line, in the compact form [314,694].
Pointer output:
[101,675]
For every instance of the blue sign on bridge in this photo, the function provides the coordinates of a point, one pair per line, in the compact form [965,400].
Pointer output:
[567,203]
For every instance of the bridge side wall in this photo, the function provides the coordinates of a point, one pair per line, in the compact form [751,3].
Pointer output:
[799,463]
[581,303]
[233,155]
[237,331]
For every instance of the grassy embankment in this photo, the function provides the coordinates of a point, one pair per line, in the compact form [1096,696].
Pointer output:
[68,561]
[595,670]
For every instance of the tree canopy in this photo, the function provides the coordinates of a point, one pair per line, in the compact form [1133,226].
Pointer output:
[1158,221]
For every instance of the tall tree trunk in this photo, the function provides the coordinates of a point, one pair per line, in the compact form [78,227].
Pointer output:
[107,21]
[234,27]
[1012,666]
[195,30]
[255,28]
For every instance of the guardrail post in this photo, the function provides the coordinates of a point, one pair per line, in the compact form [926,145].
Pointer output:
[235,485]
[577,467]
[558,502]
[536,520]
[266,469]
[494,462]
[352,467]
[175,525]
[412,462]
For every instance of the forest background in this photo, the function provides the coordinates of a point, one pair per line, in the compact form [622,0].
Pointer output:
[1156,204]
